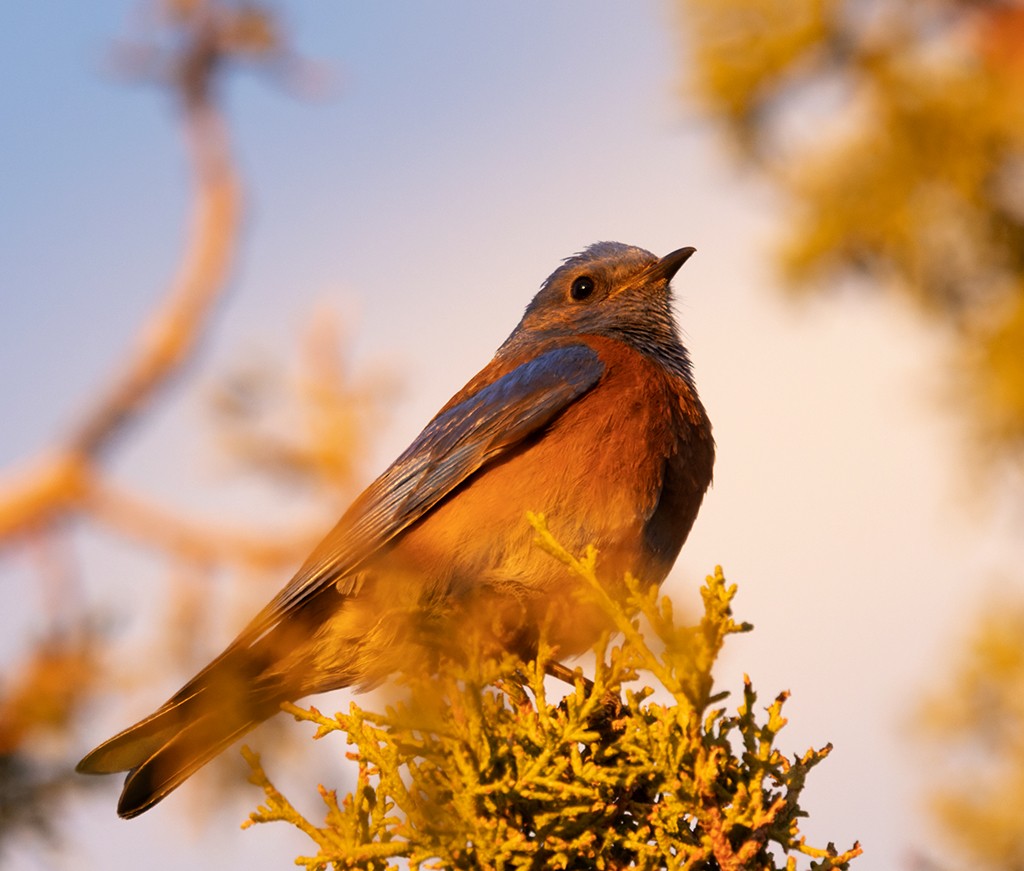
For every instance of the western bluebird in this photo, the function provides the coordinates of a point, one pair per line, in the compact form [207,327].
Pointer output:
[588,413]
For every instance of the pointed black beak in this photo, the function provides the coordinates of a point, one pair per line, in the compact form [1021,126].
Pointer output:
[670,263]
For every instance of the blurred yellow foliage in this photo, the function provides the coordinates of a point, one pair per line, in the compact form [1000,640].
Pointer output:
[45,692]
[743,46]
[995,355]
[897,133]
[975,729]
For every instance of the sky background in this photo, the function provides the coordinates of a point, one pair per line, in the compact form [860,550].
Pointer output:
[466,149]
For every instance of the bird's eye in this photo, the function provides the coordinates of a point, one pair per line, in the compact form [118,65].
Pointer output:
[582,287]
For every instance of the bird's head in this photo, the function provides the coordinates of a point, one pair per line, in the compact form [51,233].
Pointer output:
[611,289]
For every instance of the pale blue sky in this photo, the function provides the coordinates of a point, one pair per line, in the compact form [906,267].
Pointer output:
[466,149]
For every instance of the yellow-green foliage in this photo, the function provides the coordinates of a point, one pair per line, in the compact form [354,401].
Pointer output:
[743,47]
[480,768]
[973,726]
[896,133]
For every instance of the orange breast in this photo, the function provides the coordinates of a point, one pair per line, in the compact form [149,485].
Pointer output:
[624,468]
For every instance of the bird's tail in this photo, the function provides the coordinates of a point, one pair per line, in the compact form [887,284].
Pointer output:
[216,708]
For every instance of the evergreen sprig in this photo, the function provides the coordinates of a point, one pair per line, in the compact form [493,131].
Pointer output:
[478,769]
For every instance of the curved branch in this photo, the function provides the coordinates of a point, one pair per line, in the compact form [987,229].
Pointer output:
[169,339]
[59,482]
[197,540]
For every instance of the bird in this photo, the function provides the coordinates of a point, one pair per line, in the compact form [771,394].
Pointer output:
[587,413]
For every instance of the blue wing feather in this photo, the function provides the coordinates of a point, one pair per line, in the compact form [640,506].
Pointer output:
[455,445]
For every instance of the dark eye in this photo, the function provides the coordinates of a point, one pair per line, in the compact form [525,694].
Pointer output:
[582,287]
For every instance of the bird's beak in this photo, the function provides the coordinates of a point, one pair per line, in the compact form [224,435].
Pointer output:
[670,263]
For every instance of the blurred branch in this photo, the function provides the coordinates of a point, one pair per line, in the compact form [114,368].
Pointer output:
[65,478]
[62,481]
[41,697]
[311,431]
[168,341]
[199,541]
[330,415]
[34,497]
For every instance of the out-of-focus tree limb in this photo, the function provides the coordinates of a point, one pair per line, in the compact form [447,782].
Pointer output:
[42,697]
[43,499]
[61,480]
[51,485]
[195,540]
[168,341]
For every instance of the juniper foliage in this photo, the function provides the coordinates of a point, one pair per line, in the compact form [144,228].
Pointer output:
[480,768]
